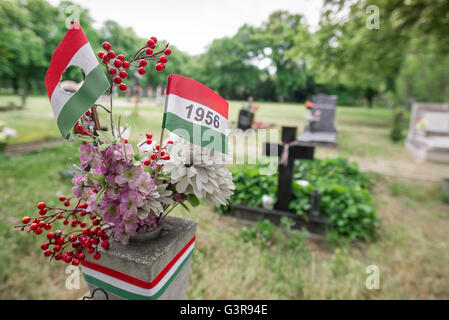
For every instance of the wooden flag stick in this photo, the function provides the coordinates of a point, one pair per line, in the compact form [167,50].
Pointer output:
[159,153]
[95,117]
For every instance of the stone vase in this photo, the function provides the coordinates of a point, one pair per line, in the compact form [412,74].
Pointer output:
[152,266]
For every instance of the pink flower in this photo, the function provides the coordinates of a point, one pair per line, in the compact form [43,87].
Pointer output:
[89,156]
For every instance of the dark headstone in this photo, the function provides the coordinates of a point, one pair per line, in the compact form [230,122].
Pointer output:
[245,121]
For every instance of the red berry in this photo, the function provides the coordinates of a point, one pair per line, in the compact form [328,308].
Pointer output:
[100,233]
[61,241]
[97,256]
[106,59]
[162,153]
[150,43]
[42,212]
[87,243]
[118,63]
[153,156]
[122,87]
[47,226]
[87,113]
[73,238]
[167,51]
[79,129]
[50,235]
[90,250]
[67,259]
[101,54]
[157,147]
[121,57]
[25,220]
[143,62]
[169,142]
[163,59]
[106,46]
[96,222]
[67,203]
[41,205]
[154,39]
[160,67]
[146,162]
[105,244]
[75,262]
[149,136]
[112,71]
[44,246]
[47,253]
[86,231]
[66,222]
[81,256]
[126,140]
[141,70]
[59,216]
[149,141]
[149,51]
[166,158]
[83,224]
[62,198]
[56,248]
[111,54]
[123,74]
[125,64]
[39,231]
[117,80]
[58,256]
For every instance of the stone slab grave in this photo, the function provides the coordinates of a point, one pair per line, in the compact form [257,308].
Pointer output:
[321,127]
[428,135]
[288,150]
[144,269]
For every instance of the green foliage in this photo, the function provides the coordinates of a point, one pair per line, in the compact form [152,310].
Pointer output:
[397,127]
[250,187]
[345,198]
[263,231]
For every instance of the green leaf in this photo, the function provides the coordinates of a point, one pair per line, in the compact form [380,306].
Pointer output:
[96,178]
[184,206]
[106,136]
[100,193]
[194,201]
[103,146]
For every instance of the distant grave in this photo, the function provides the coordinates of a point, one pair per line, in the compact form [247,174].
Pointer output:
[287,150]
[428,136]
[320,129]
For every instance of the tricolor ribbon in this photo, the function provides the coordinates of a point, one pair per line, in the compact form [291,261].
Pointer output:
[284,156]
[132,288]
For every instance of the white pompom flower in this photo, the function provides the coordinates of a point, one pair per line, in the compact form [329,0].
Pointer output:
[200,171]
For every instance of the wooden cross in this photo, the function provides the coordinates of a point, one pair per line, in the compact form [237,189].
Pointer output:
[295,150]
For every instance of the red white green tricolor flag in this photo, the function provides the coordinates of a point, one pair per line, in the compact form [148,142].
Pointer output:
[196,113]
[132,288]
[74,50]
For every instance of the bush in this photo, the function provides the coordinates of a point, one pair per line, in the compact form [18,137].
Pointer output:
[345,202]
[397,127]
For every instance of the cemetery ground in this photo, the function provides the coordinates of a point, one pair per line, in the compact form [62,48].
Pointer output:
[410,251]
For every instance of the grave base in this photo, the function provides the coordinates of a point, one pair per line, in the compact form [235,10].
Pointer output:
[312,224]
[145,270]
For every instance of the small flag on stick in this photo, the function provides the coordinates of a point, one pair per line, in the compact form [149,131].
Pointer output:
[196,113]
[74,50]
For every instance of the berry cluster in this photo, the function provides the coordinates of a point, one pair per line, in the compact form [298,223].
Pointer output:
[117,64]
[86,126]
[157,153]
[69,247]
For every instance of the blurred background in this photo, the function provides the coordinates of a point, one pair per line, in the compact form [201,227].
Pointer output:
[385,62]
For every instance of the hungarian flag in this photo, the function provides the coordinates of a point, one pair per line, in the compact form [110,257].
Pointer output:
[196,113]
[74,50]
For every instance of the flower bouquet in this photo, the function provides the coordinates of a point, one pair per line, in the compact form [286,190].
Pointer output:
[123,188]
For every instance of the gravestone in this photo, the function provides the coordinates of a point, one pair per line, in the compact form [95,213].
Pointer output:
[428,135]
[321,127]
[245,120]
[288,150]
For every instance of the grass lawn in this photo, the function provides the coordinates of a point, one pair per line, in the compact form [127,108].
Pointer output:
[411,251]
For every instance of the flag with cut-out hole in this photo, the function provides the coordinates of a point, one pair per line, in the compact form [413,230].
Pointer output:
[74,50]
